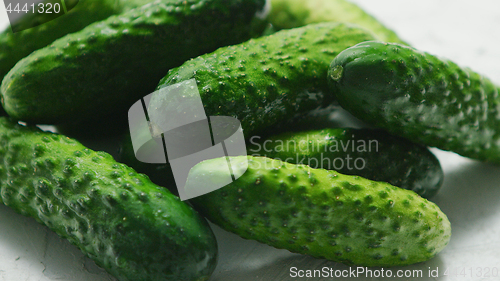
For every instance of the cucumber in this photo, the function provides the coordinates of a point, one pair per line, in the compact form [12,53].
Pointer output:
[416,95]
[108,65]
[321,213]
[131,227]
[15,46]
[267,80]
[371,154]
[295,13]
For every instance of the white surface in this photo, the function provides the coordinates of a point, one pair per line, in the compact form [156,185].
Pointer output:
[467,32]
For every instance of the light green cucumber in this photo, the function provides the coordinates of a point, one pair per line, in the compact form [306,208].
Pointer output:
[15,46]
[295,13]
[109,65]
[131,227]
[320,212]
[265,81]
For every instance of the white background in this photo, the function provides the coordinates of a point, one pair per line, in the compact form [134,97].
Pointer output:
[467,32]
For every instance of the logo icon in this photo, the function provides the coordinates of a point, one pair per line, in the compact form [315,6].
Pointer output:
[171,124]
[25,14]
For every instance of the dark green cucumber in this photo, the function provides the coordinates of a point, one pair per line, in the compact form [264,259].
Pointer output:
[131,227]
[371,154]
[296,13]
[109,65]
[267,80]
[424,98]
[320,212]
[15,46]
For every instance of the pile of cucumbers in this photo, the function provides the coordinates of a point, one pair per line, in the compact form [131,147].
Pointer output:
[359,196]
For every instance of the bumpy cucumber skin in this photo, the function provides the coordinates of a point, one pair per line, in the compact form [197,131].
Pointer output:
[270,79]
[295,13]
[416,95]
[385,157]
[15,46]
[133,228]
[322,213]
[108,65]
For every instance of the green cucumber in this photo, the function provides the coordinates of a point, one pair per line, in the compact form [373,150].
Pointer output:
[419,96]
[295,13]
[320,212]
[131,227]
[15,46]
[109,65]
[371,154]
[267,80]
